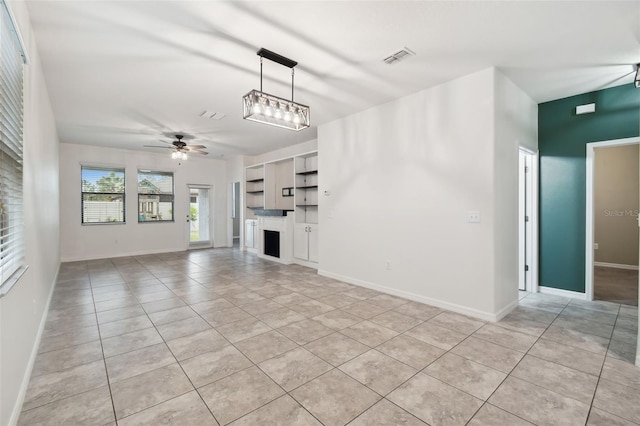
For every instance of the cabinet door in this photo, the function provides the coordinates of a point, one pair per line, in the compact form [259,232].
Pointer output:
[255,234]
[248,234]
[313,242]
[301,241]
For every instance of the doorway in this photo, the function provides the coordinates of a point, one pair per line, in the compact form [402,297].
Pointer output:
[199,218]
[235,213]
[615,236]
[527,208]
[611,243]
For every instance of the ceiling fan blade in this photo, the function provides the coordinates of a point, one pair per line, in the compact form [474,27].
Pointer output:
[157,146]
[197,151]
[192,147]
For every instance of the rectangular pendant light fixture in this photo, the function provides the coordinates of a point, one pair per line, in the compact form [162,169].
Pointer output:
[273,110]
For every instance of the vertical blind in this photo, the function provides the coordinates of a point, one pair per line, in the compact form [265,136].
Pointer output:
[11,214]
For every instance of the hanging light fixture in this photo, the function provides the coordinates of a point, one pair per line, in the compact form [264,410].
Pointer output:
[269,109]
[179,155]
[636,80]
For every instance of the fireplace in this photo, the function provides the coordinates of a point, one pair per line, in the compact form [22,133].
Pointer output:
[272,243]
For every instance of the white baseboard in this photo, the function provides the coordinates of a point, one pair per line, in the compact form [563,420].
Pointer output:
[120,254]
[616,265]
[563,293]
[17,408]
[485,316]
[313,265]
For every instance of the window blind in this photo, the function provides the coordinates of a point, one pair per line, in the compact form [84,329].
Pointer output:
[103,197]
[11,159]
[155,196]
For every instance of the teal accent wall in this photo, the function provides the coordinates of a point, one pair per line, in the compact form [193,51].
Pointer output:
[562,139]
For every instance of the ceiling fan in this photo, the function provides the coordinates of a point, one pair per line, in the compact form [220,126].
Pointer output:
[180,148]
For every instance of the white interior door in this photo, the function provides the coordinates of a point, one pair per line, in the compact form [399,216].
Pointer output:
[525,220]
[199,218]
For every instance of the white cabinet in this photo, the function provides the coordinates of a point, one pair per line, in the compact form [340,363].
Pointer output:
[305,241]
[251,233]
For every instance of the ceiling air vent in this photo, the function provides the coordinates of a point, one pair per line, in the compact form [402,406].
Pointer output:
[212,115]
[398,56]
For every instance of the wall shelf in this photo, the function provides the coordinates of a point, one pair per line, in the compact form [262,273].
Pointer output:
[307,187]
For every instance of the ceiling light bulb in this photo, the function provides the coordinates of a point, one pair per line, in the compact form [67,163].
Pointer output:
[183,156]
[256,108]
[287,115]
[278,112]
[174,155]
[268,110]
[296,117]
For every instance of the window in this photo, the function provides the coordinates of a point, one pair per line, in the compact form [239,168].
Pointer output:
[155,196]
[11,119]
[102,195]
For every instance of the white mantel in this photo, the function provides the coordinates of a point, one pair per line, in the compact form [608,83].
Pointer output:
[283,225]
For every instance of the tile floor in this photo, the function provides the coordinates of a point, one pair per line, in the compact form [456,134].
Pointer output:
[219,336]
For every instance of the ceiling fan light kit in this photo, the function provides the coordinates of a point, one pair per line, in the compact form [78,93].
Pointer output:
[269,109]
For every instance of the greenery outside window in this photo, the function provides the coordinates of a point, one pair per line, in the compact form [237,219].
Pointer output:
[103,199]
[155,196]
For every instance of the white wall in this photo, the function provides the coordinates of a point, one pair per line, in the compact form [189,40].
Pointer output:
[286,152]
[516,125]
[23,309]
[235,173]
[402,177]
[97,241]
[615,205]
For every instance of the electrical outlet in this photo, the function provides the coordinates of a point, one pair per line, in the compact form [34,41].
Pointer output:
[473,216]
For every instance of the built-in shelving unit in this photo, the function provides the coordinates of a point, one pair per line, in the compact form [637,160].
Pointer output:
[290,185]
[306,188]
[254,190]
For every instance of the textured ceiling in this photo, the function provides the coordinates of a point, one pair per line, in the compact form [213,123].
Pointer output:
[129,73]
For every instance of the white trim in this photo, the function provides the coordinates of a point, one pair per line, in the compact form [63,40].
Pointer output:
[485,316]
[535,190]
[312,265]
[314,151]
[532,211]
[589,222]
[17,408]
[563,293]
[616,265]
[121,254]
[18,33]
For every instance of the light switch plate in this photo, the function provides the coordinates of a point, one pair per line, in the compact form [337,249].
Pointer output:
[473,216]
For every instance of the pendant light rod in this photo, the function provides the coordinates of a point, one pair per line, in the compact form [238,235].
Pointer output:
[272,56]
[292,74]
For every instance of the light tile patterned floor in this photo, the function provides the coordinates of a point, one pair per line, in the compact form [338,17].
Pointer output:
[220,336]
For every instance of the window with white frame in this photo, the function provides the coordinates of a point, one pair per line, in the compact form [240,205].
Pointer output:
[103,198]
[155,196]
[12,60]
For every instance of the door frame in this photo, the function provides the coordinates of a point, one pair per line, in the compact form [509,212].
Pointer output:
[589,231]
[532,197]
[205,244]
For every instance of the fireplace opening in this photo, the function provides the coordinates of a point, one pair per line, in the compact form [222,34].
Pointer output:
[272,243]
